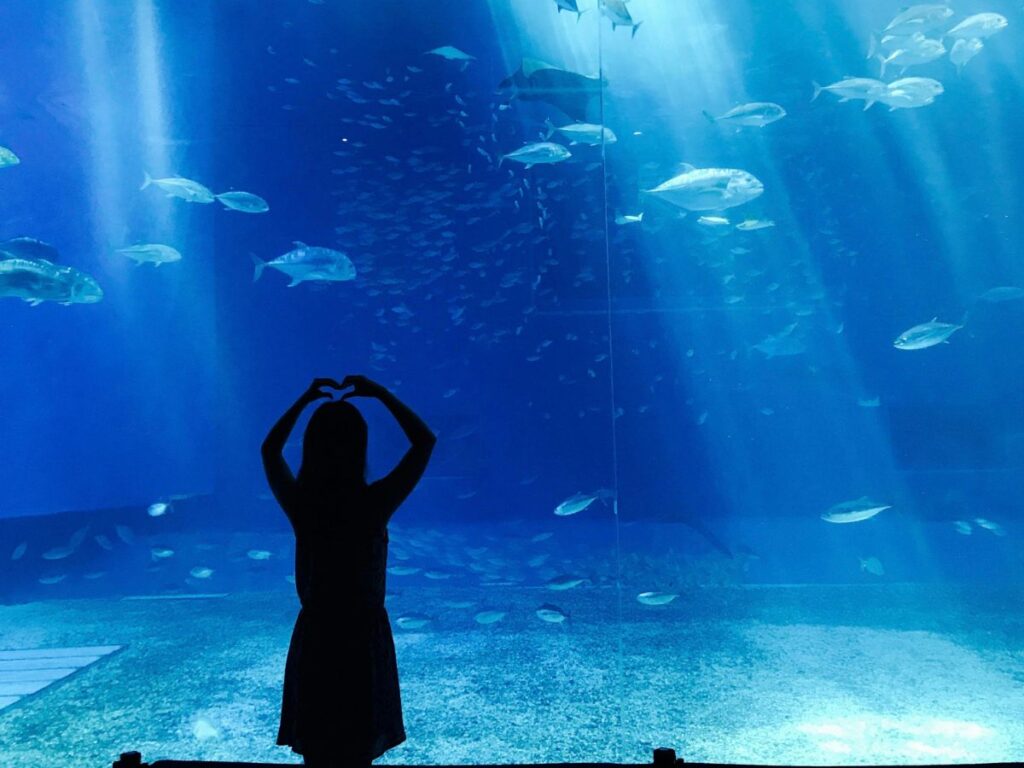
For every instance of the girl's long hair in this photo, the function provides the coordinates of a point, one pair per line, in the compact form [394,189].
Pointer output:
[334,452]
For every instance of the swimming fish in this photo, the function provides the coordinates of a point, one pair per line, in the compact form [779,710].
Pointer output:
[180,187]
[964,50]
[979,25]
[923,51]
[617,12]
[629,218]
[865,88]
[153,253]
[1002,293]
[158,509]
[582,133]
[305,262]
[872,565]
[656,598]
[413,621]
[489,617]
[988,525]
[258,554]
[919,18]
[962,527]
[926,335]
[854,511]
[756,114]
[201,572]
[569,5]
[562,583]
[752,225]
[580,501]
[451,53]
[161,553]
[571,92]
[785,343]
[402,570]
[246,202]
[551,614]
[538,152]
[910,92]
[39,280]
[19,551]
[709,189]
[8,158]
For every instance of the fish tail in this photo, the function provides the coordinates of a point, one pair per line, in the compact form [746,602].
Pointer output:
[817,89]
[872,47]
[260,265]
[579,15]
[709,116]
[146,181]
[550,127]
[635,28]
[882,62]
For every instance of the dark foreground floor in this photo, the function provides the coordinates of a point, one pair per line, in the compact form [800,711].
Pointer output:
[825,675]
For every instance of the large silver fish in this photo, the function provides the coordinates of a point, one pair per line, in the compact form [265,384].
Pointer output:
[854,511]
[308,262]
[538,152]
[39,280]
[709,189]
[180,187]
[757,114]
[926,335]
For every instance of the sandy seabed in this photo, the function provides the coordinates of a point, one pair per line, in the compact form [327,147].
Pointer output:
[826,675]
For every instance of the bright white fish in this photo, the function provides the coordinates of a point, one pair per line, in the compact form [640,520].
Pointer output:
[656,598]
[919,18]
[979,25]
[865,88]
[580,501]
[964,50]
[201,572]
[709,189]
[159,509]
[582,133]
[178,186]
[853,511]
[714,222]
[551,614]
[618,13]
[7,158]
[628,218]
[451,53]
[246,202]
[538,152]
[752,225]
[757,114]
[152,253]
[988,525]
[161,553]
[963,527]
[872,565]
[926,335]
[306,262]
[258,554]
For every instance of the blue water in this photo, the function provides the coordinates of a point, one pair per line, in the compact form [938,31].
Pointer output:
[553,349]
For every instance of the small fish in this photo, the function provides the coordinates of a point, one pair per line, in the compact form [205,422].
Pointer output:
[962,527]
[161,553]
[551,614]
[413,621]
[204,730]
[451,53]
[55,579]
[854,511]
[628,218]
[714,222]
[489,617]
[988,525]
[1002,293]
[863,88]
[153,253]
[543,536]
[926,335]
[201,572]
[19,551]
[918,18]
[8,158]
[246,202]
[656,598]
[562,583]
[752,225]
[309,263]
[402,570]
[537,153]
[258,554]
[437,575]
[158,509]
[58,553]
[579,502]
[180,187]
[756,114]
[872,565]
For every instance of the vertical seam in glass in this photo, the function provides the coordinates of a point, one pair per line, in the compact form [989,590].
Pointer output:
[611,377]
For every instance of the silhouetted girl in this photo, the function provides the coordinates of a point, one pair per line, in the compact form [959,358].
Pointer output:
[341,704]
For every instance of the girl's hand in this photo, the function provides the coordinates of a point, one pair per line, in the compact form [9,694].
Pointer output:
[362,387]
[316,392]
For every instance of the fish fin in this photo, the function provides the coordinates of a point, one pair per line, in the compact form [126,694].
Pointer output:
[882,62]
[872,47]
[935,319]
[157,263]
[709,116]
[551,128]
[579,15]
[146,180]
[34,302]
[869,104]
[817,89]
[635,28]
[260,266]
[299,244]
[295,281]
